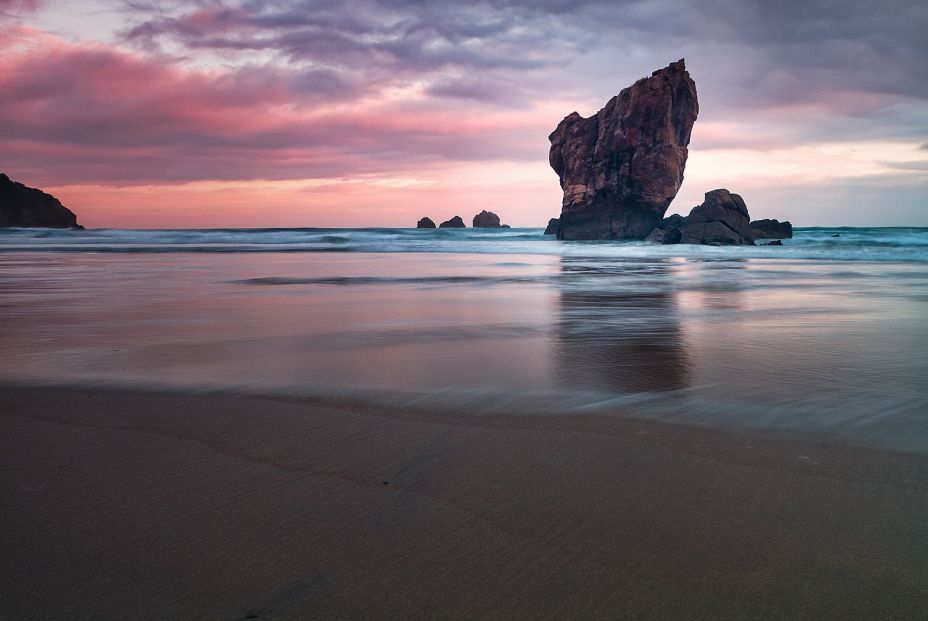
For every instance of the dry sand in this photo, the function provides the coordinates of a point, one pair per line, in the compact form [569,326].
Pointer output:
[130,505]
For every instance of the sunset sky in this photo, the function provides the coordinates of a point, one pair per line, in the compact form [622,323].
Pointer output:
[211,113]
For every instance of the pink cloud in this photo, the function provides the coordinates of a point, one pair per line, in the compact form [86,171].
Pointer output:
[73,113]
[19,6]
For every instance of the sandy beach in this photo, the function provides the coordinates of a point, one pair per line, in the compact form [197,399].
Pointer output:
[120,504]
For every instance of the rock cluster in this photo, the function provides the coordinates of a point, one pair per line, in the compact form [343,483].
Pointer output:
[621,168]
[483,220]
[29,207]
[721,220]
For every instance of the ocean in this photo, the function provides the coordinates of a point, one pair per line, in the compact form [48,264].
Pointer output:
[825,336]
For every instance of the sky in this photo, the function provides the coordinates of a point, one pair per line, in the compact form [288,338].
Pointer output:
[215,113]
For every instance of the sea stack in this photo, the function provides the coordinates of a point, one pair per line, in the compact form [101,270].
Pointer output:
[454,223]
[29,207]
[551,229]
[620,168]
[425,223]
[486,220]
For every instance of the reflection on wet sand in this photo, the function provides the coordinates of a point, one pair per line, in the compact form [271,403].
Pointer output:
[619,328]
[712,285]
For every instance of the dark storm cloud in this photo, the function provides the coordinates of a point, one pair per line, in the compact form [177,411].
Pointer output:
[404,39]
[765,54]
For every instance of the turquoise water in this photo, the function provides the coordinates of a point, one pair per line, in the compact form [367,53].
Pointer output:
[824,336]
[851,244]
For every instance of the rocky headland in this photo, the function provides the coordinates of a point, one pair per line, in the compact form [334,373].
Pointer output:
[620,168]
[23,206]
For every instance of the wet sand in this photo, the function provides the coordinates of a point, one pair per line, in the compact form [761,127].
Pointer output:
[118,504]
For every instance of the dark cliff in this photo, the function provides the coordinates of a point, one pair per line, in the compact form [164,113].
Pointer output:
[24,206]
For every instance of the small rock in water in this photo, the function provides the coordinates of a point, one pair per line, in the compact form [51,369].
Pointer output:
[454,223]
[836,235]
[425,223]
[775,242]
[772,229]
[668,230]
[486,220]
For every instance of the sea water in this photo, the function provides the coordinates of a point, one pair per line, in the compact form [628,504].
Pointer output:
[825,336]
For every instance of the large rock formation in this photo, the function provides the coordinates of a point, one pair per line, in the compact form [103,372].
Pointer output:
[454,223]
[772,229]
[722,219]
[620,168]
[551,229]
[486,220]
[24,206]
[425,223]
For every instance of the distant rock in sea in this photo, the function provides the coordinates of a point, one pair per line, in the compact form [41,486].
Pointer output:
[722,219]
[29,207]
[425,223]
[454,223]
[551,229]
[486,220]
[772,229]
[621,168]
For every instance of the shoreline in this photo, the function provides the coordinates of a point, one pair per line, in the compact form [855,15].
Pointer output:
[123,503]
[550,411]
